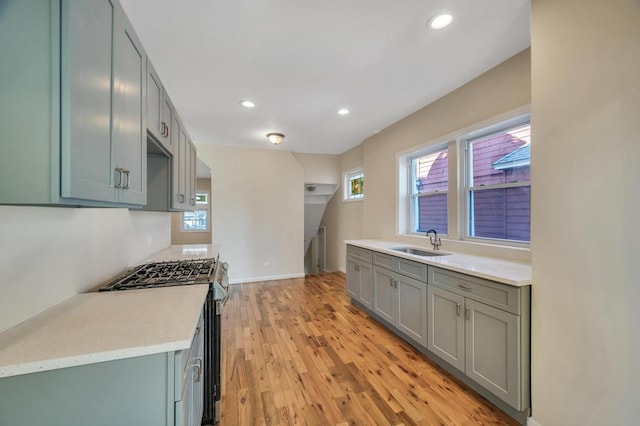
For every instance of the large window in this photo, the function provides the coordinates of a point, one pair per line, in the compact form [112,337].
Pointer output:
[198,219]
[498,187]
[353,185]
[429,187]
[474,185]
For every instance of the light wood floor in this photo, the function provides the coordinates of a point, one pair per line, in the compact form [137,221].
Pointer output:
[296,352]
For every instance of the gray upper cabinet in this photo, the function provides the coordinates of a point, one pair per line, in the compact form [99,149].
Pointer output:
[69,105]
[160,110]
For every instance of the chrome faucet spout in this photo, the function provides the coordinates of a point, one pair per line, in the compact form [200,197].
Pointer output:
[434,240]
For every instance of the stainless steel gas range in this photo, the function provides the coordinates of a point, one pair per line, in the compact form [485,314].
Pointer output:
[189,272]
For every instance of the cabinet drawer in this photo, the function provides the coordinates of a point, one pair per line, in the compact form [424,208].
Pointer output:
[412,269]
[359,253]
[494,294]
[385,261]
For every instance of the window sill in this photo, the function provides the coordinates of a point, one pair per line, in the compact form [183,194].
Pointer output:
[353,200]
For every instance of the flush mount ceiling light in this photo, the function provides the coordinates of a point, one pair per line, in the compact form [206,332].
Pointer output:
[343,111]
[275,138]
[440,21]
[247,104]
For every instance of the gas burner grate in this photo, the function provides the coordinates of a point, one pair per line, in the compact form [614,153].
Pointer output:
[165,274]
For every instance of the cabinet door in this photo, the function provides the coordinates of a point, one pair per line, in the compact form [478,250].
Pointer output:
[411,296]
[191,175]
[154,103]
[166,123]
[366,285]
[129,107]
[493,350]
[87,170]
[446,326]
[353,278]
[384,294]
[179,164]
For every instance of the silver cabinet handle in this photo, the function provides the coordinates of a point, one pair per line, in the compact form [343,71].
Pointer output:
[357,268]
[467,313]
[457,309]
[193,201]
[126,173]
[464,287]
[120,172]
[181,198]
[165,129]
[198,366]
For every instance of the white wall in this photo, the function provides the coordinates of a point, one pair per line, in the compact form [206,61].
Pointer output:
[48,254]
[257,211]
[585,212]
[320,168]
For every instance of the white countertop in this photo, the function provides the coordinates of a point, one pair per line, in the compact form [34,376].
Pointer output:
[96,327]
[185,252]
[503,271]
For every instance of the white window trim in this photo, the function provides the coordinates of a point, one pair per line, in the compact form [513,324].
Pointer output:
[457,203]
[444,146]
[204,207]
[346,185]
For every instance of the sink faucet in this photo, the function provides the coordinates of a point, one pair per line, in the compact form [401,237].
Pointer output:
[435,240]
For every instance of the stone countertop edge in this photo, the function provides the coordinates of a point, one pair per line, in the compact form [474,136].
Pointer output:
[503,271]
[97,327]
[184,252]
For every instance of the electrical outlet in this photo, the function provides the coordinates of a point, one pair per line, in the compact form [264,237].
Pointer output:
[149,239]
[267,264]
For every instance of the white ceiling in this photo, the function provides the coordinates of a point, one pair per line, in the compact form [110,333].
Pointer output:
[301,60]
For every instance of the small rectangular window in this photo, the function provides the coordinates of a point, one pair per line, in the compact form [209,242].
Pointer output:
[198,219]
[354,185]
[429,185]
[498,184]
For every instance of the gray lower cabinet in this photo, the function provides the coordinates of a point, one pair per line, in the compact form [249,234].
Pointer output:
[360,275]
[69,103]
[402,301]
[489,344]
[163,389]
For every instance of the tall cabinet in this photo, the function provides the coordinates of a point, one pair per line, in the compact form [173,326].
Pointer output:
[70,103]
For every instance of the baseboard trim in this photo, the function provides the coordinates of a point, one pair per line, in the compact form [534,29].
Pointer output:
[265,278]
[532,422]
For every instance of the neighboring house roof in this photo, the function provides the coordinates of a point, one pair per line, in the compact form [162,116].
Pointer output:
[519,157]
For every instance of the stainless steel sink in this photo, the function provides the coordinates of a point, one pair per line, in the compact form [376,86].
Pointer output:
[420,252]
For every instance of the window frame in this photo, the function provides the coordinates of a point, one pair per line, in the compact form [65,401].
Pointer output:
[347,176]
[457,198]
[412,193]
[198,207]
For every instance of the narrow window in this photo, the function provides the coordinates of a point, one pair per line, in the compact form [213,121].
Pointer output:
[498,184]
[429,185]
[354,185]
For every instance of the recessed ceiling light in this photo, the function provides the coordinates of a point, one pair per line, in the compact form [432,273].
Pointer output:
[343,111]
[247,104]
[440,21]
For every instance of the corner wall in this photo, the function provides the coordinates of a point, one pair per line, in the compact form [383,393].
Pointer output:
[52,253]
[585,210]
[257,211]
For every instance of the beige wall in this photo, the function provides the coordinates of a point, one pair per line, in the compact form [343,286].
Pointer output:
[343,220]
[257,211]
[586,199]
[48,254]
[180,237]
[500,90]
[320,168]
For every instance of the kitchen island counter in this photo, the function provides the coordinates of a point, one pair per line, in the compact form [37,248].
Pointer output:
[96,327]
[502,271]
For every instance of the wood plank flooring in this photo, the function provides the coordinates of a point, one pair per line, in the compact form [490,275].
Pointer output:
[297,352]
